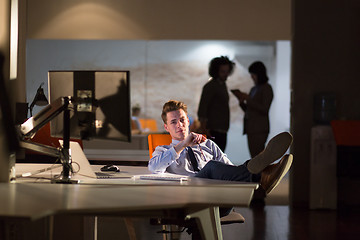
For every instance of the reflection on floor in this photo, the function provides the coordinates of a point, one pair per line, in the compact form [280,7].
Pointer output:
[280,194]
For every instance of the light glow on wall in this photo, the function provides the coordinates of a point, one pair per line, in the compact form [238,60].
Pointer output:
[211,50]
[89,20]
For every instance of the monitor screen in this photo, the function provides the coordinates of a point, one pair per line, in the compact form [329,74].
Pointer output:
[101,106]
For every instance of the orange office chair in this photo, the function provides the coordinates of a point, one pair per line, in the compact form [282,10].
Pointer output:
[155,140]
[44,137]
[148,123]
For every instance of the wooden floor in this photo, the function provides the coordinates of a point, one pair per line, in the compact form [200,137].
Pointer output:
[268,222]
[281,222]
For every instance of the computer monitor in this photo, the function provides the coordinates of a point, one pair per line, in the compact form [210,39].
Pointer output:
[101,108]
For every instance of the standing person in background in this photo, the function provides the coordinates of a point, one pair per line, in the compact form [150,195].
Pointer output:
[214,110]
[256,106]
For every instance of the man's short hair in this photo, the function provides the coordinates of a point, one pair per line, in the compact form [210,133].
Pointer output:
[215,64]
[171,106]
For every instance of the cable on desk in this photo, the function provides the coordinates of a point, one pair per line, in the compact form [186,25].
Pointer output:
[72,167]
[28,174]
[78,171]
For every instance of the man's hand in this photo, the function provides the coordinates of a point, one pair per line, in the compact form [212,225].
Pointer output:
[237,93]
[191,140]
[243,97]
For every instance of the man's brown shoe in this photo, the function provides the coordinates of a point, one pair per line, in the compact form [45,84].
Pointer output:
[274,150]
[272,174]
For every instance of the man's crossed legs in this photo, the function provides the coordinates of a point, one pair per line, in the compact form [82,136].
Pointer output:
[258,169]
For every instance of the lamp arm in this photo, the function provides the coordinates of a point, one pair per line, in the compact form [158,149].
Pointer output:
[41,148]
[34,123]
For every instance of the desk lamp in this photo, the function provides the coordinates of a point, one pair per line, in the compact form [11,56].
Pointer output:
[29,128]
[39,99]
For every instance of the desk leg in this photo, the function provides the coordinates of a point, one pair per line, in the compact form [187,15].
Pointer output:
[208,220]
[130,228]
[51,227]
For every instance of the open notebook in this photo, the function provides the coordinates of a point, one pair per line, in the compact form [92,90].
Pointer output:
[82,167]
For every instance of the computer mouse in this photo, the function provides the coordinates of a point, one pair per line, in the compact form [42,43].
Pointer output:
[110,168]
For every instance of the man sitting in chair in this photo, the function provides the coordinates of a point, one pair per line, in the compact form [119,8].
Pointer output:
[193,155]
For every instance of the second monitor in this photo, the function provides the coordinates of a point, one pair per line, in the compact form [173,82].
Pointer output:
[101,106]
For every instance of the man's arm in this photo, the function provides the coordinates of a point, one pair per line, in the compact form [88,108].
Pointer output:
[243,106]
[164,156]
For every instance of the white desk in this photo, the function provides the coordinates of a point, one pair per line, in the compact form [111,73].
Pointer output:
[197,198]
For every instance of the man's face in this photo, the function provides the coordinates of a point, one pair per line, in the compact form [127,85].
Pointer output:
[224,71]
[177,124]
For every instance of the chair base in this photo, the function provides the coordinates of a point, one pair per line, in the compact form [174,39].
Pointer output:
[232,217]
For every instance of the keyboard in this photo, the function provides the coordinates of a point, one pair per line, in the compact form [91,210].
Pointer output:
[163,177]
[102,175]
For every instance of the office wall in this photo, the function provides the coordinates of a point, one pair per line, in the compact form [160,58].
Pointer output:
[325,58]
[159,19]
[150,20]
[170,69]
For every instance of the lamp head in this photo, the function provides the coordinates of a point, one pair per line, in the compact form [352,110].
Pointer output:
[39,99]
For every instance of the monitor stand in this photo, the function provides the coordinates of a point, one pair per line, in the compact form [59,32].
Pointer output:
[66,157]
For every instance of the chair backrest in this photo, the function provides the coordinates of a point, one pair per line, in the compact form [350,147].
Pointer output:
[43,136]
[155,140]
[149,124]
